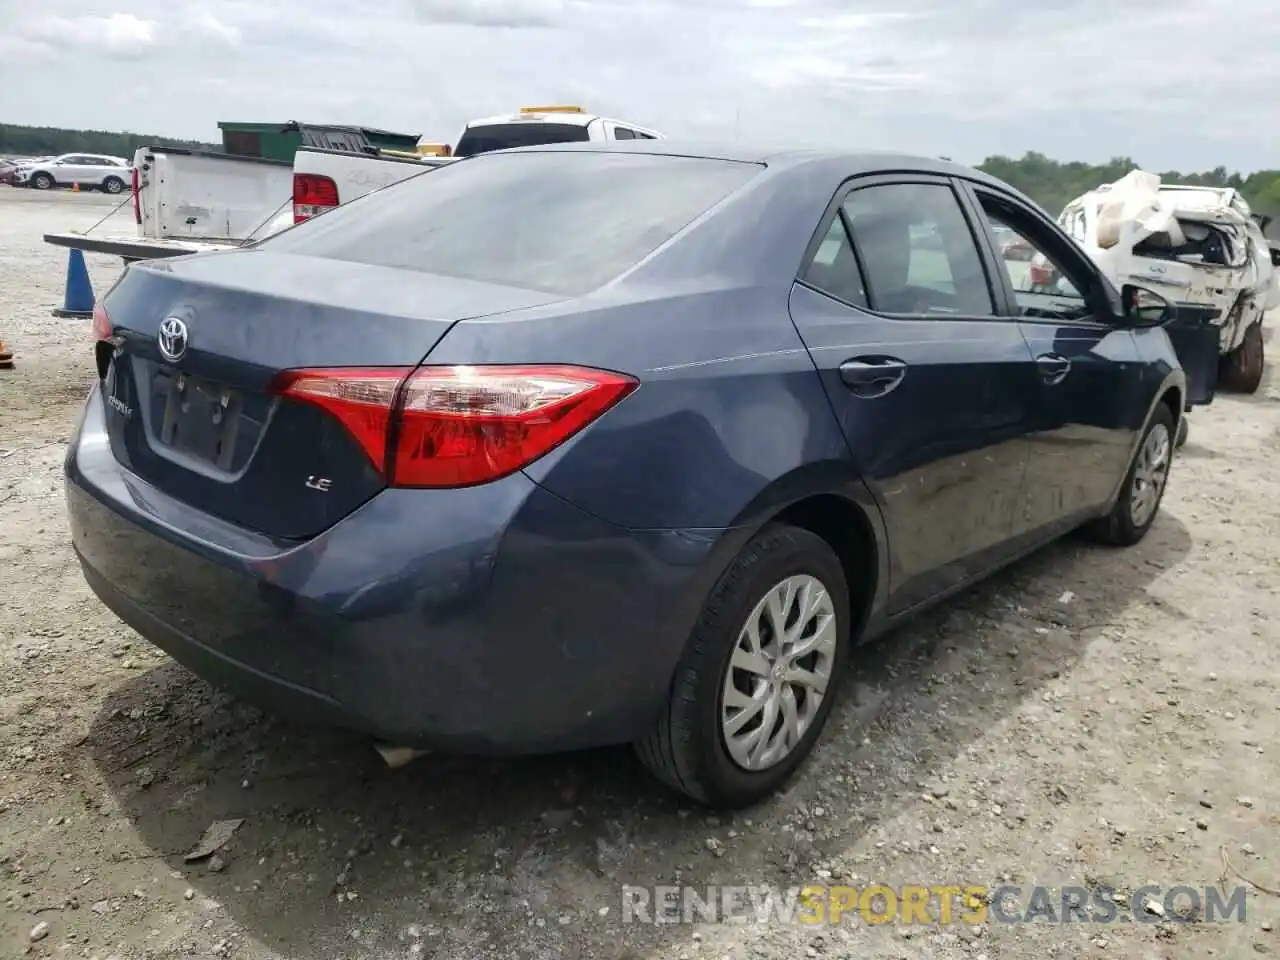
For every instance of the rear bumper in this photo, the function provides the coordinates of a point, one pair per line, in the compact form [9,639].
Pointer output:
[497,619]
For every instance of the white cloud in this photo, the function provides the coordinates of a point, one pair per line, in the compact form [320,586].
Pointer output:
[492,13]
[205,27]
[1081,79]
[122,36]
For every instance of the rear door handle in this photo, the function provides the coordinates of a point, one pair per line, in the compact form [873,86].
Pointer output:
[872,376]
[1053,368]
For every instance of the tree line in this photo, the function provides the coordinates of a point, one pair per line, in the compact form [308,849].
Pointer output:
[1050,183]
[1053,184]
[19,141]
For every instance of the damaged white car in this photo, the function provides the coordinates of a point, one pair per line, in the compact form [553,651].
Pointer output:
[1200,247]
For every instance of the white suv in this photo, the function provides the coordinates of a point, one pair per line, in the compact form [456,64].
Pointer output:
[112,174]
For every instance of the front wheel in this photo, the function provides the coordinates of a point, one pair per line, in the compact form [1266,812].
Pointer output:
[42,181]
[113,185]
[1139,501]
[759,675]
[1242,368]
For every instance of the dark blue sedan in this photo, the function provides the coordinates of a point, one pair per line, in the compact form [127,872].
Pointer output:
[590,444]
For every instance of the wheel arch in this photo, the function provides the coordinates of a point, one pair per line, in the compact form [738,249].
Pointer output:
[1171,394]
[831,501]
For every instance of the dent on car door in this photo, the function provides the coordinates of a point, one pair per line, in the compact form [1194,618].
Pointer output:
[1090,395]
[930,386]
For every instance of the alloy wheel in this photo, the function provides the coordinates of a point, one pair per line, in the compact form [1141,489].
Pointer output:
[1149,475]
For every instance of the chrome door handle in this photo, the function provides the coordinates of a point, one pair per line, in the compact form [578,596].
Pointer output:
[872,376]
[1053,368]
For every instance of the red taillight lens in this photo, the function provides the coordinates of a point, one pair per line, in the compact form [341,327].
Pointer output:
[101,322]
[458,426]
[137,203]
[312,195]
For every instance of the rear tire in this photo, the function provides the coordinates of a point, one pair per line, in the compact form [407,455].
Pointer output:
[1139,502]
[688,747]
[1242,368]
[113,185]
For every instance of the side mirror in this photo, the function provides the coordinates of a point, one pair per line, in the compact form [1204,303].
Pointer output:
[1275,256]
[1145,308]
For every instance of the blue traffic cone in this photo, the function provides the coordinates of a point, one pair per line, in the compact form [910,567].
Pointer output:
[77,302]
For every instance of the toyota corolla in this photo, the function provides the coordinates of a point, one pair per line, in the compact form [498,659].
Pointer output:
[590,444]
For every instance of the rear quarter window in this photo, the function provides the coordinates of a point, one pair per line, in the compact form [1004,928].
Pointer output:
[560,222]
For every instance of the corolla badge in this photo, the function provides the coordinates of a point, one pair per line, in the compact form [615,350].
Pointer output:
[172,339]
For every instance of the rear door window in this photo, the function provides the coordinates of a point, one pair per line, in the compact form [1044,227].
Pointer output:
[560,222]
[918,251]
[505,136]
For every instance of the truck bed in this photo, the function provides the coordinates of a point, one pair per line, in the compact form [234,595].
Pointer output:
[132,247]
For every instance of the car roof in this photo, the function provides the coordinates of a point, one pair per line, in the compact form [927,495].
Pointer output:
[844,162]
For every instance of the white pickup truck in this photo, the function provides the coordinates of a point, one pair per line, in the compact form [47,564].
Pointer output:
[323,179]
[189,201]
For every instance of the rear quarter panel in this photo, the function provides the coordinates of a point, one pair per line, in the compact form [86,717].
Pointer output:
[730,420]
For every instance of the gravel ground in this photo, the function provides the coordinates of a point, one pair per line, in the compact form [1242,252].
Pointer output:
[1088,717]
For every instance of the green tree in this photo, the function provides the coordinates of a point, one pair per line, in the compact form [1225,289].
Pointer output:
[18,141]
[1053,184]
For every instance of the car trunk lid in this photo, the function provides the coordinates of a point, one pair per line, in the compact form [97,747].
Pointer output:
[200,342]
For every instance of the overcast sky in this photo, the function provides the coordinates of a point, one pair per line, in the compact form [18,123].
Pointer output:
[1180,83]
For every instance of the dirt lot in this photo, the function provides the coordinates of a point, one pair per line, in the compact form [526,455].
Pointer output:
[1089,717]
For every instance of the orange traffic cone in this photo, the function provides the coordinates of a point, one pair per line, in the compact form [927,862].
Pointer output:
[75,188]
[6,358]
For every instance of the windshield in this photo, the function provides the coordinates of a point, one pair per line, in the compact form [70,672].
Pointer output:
[503,136]
[561,222]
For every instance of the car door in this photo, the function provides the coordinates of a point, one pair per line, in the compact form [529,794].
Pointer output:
[93,171]
[1089,401]
[930,383]
[71,168]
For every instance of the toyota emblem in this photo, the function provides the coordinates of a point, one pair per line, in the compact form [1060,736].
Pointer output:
[172,339]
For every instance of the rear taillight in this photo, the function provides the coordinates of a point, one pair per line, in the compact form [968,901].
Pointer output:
[102,348]
[312,195]
[137,203]
[457,426]
[101,322]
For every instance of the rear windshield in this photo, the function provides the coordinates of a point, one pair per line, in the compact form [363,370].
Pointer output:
[503,136]
[561,222]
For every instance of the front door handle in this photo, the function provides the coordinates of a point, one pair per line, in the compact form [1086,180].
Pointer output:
[1053,368]
[872,376]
